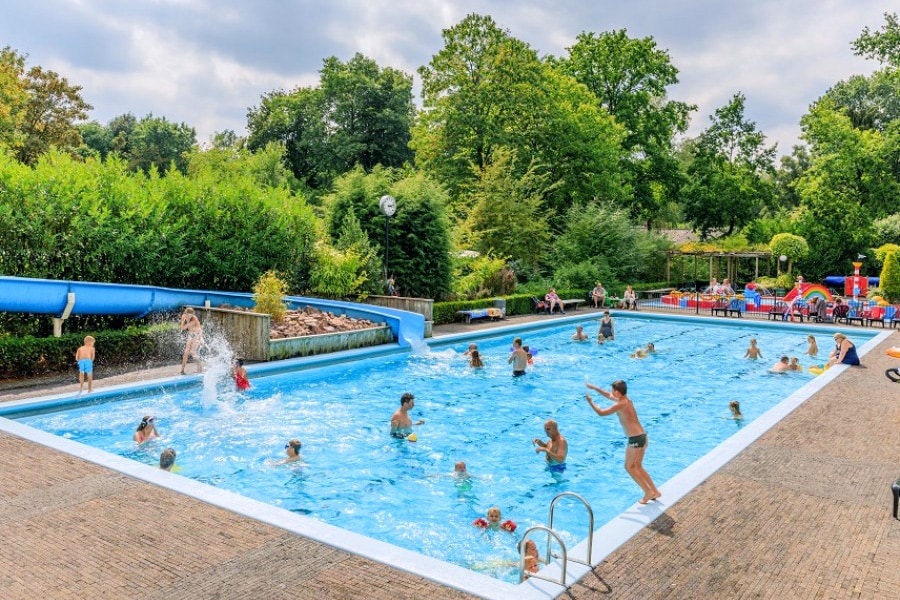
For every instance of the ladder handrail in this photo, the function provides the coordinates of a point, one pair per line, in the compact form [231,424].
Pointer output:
[590,537]
[562,545]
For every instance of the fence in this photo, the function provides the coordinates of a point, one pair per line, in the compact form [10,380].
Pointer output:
[775,307]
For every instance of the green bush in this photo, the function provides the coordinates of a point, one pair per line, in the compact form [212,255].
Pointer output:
[27,356]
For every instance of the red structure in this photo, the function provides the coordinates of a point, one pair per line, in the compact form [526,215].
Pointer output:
[857,285]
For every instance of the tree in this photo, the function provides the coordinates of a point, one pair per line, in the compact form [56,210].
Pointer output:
[13,98]
[419,243]
[629,77]
[48,117]
[486,90]
[883,45]
[889,254]
[507,217]
[158,143]
[730,173]
[360,114]
[789,245]
[870,102]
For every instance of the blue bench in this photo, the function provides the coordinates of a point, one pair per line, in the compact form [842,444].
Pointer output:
[481,313]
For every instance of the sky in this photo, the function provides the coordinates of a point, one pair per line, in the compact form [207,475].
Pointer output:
[206,62]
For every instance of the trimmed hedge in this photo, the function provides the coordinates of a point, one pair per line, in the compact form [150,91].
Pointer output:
[521,304]
[27,356]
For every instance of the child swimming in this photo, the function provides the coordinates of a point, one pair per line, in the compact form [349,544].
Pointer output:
[753,351]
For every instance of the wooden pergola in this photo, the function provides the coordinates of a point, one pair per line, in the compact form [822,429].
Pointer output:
[715,263]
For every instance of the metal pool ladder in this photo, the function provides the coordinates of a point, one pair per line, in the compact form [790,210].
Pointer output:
[551,533]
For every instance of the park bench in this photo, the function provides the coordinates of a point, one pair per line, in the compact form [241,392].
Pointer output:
[572,303]
[493,314]
[727,307]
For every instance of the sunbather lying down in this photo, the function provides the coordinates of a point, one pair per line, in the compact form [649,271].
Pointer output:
[893,375]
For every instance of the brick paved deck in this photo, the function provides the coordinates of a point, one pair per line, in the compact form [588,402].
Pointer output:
[802,513]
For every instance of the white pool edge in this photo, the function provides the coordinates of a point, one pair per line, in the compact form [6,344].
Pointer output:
[606,539]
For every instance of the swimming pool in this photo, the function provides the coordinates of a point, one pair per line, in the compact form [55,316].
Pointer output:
[360,479]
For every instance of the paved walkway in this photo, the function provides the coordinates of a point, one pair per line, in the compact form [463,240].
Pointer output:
[802,513]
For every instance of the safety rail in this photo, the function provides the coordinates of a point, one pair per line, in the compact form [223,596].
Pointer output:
[552,533]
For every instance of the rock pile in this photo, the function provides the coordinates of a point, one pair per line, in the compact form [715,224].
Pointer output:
[311,321]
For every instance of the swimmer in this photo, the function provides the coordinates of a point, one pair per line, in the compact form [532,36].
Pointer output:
[84,356]
[532,558]
[472,347]
[735,407]
[753,352]
[293,451]
[795,364]
[146,430]
[607,327]
[555,449]
[401,423]
[644,352]
[782,366]
[579,335]
[239,373]
[529,354]
[459,469]
[493,521]
[475,360]
[518,358]
[167,459]
[601,338]
[813,346]
[623,408]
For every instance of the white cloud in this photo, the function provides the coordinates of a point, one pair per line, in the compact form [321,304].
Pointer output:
[204,62]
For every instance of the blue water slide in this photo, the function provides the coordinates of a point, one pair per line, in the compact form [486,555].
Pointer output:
[52,297]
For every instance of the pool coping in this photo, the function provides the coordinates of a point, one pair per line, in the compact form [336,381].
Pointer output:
[606,539]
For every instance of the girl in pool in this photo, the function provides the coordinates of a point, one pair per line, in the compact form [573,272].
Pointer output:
[475,359]
[493,521]
[813,347]
[735,407]
[146,430]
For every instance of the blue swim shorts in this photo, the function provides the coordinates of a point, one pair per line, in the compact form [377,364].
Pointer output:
[86,365]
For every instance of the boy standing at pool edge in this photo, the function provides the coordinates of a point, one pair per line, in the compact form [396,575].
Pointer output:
[637,437]
[84,356]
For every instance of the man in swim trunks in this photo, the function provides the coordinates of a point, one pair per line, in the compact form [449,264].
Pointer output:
[85,358]
[518,358]
[555,449]
[191,323]
[637,437]
[401,423]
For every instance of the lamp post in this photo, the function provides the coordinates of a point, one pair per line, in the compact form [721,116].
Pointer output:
[388,206]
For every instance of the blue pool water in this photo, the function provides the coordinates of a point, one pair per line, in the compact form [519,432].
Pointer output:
[355,476]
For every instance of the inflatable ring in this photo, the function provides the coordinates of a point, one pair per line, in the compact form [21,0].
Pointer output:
[818,370]
[480,522]
[895,352]
[508,525]
[412,438]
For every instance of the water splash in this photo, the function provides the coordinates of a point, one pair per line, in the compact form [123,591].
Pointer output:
[217,357]
[417,345]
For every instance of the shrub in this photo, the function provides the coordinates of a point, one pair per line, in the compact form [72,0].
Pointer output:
[268,294]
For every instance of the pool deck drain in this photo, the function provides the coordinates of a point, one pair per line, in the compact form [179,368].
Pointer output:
[803,512]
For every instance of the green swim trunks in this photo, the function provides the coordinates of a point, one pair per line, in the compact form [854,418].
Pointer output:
[637,441]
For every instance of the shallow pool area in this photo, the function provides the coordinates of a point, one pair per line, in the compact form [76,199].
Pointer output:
[354,476]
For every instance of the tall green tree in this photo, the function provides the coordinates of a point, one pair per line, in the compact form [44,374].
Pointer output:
[508,217]
[50,114]
[418,249]
[360,114]
[629,77]
[486,90]
[158,143]
[13,98]
[884,44]
[730,173]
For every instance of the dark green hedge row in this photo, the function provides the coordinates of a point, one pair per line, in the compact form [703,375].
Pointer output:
[521,304]
[27,356]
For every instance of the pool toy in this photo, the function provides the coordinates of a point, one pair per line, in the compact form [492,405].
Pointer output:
[894,351]
[412,437]
[818,369]
[508,525]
